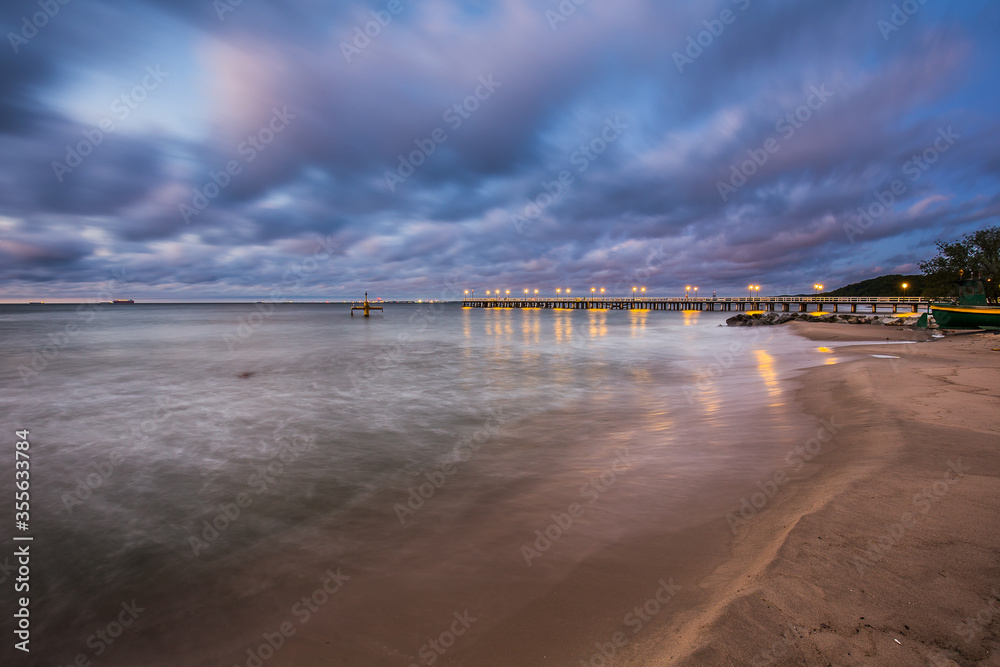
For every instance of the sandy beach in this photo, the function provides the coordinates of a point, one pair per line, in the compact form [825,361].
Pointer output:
[883,548]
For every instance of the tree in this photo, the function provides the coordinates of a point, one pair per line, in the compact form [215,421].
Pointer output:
[975,255]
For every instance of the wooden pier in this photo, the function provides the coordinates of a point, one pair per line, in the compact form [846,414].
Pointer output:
[801,304]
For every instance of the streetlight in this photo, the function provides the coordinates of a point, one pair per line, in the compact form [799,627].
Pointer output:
[568,290]
[905,285]
[633,293]
[687,291]
[602,291]
[696,291]
[592,290]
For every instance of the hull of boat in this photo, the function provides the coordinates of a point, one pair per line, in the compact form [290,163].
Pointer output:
[959,317]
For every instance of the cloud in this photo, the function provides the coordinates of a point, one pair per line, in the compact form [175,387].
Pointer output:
[348,119]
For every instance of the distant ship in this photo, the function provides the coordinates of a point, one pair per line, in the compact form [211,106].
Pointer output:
[35,303]
[123,301]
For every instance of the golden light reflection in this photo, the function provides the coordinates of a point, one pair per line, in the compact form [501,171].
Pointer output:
[830,361]
[690,317]
[637,321]
[598,321]
[766,368]
[531,325]
[563,326]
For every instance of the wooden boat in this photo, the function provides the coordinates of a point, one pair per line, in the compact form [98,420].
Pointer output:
[971,312]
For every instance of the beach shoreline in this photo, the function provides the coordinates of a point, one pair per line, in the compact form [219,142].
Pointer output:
[883,549]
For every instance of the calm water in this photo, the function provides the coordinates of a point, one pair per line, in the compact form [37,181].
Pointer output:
[148,423]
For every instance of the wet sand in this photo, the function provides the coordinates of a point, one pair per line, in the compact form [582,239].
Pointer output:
[886,550]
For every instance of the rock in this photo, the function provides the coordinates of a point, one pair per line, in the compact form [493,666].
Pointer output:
[785,317]
[738,320]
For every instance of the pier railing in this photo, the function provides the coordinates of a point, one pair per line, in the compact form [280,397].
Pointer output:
[723,303]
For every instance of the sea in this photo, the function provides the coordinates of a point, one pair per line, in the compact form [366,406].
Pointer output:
[284,484]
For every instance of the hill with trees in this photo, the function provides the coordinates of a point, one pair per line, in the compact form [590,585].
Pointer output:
[891,285]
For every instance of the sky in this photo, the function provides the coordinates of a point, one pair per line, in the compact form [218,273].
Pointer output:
[246,149]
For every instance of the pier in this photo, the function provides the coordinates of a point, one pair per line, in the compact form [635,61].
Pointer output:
[801,304]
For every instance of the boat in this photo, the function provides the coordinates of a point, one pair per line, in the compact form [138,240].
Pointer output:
[972,310]
[35,303]
[120,301]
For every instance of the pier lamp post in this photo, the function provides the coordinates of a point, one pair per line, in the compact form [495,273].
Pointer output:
[568,290]
[508,295]
[687,291]
[696,291]
[525,295]
[592,290]
[633,294]
[602,291]
[558,290]
[905,285]
[750,290]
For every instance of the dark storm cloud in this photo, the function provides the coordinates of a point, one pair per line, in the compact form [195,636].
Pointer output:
[280,126]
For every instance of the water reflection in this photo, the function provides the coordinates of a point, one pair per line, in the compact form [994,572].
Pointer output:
[637,321]
[766,368]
